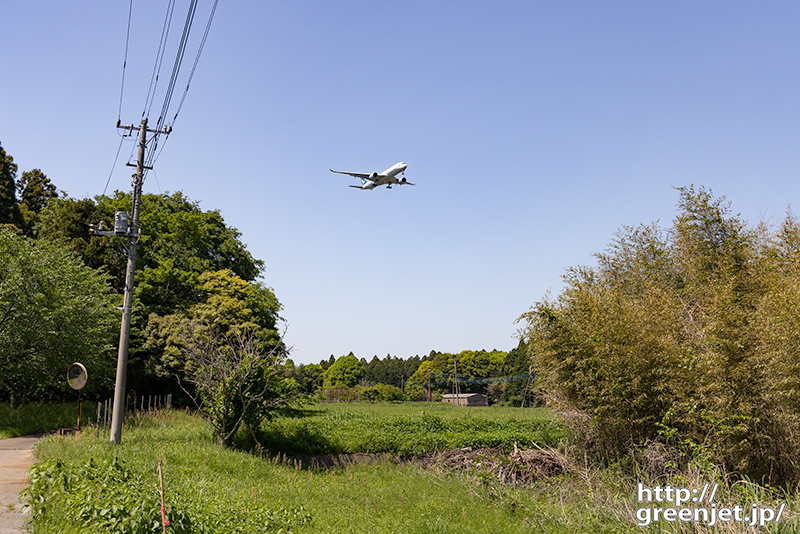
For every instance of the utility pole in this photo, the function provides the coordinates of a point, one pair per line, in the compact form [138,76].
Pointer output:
[118,413]
[125,227]
[527,386]
[456,387]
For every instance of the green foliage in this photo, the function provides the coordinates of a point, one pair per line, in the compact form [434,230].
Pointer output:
[378,392]
[224,306]
[36,190]
[407,429]
[9,209]
[345,371]
[390,370]
[691,330]
[67,220]
[383,393]
[176,234]
[221,490]
[517,362]
[106,495]
[236,382]
[175,228]
[53,311]
[440,366]
[192,269]
[311,377]
[91,489]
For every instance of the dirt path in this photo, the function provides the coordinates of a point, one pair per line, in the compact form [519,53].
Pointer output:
[16,458]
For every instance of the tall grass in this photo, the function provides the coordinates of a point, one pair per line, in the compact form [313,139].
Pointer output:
[407,429]
[38,417]
[210,489]
[88,485]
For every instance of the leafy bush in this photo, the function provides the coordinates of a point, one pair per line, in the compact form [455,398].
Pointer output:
[108,496]
[689,335]
[104,494]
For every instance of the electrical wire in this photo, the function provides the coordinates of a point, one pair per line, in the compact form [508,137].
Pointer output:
[196,59]
[121,139]
[121,93]
[161,125]
[162,47]
[177,65]
[124,64]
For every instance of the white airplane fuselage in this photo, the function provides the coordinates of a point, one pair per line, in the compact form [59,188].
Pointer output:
[388,177]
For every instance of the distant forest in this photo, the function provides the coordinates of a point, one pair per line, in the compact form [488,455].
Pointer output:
[409,379]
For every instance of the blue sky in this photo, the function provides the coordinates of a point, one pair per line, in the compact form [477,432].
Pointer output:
[533,130]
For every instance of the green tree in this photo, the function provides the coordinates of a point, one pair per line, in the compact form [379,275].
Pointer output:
[35,191]
[9,209]
[345,372]
[312,377]
[67,220]
[53,311]
[226,305]
[175,231]
[517,362]
[236,383]
[179,243]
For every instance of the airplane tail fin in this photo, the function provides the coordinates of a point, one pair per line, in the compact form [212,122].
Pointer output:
[366,183]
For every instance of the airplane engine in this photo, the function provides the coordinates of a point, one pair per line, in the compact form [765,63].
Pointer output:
[401,180]
[373,176]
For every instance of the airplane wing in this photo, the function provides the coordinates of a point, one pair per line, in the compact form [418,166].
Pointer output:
[355,174]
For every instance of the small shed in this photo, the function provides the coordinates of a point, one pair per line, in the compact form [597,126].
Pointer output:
[466,399]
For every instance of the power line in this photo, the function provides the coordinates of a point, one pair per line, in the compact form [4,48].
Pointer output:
[121,139]
[479,381]
[121,93]
[187,26]
[176,67]
[124,65]
[161,124]
[162,48]
[196,59]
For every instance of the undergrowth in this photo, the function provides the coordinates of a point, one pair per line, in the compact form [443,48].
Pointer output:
[87,485]
[406,430]
[37,417]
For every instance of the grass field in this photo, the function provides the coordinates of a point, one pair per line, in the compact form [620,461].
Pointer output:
[86,485]
[406,429]
[210,489]
[37,417]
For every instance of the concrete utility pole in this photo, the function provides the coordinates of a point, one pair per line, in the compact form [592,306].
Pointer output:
[118,412]
[456,386]
[125,226]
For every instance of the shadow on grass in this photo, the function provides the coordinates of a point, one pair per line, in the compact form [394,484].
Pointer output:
[297,440]
[35,418]
[296,412]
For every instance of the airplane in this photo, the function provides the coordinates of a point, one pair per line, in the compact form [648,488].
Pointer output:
[388,177]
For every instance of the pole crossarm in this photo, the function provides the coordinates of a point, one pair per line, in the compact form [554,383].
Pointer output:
[165,130]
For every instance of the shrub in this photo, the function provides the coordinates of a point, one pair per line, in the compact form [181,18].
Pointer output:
[689,335]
